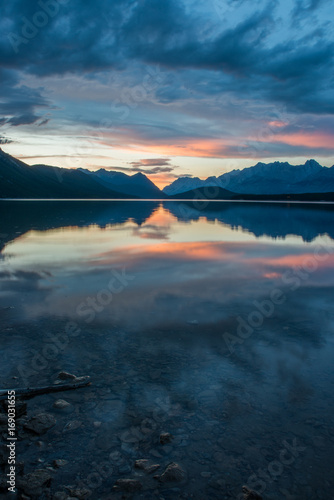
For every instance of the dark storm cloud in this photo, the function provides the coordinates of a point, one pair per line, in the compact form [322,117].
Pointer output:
[153,166]
[154,170]
[148,166]
[72,37]
[294,73]
[253,58]
[45,121]
[25,119]
[169,37]
[151,162]
[304,8]
[268,149]
[96,35]
[19,102]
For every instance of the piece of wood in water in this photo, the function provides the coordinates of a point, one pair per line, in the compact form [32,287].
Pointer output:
[30,392]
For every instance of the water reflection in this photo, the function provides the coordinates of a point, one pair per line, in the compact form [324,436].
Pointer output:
[189,269]
[215,325]
[261,219]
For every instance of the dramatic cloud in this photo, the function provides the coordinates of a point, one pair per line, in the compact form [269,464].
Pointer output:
[151,162]
[173,78]
[154,170]
[152,166]
[303,8]
[19,103]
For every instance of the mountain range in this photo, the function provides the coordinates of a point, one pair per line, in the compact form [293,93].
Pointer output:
[263,181]
[19,180]
[137,185]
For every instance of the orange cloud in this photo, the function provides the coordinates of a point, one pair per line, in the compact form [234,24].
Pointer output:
[272,275]
[305,260]
[203,148]
[128,139]
[306,139]
[277,123]
[178,251]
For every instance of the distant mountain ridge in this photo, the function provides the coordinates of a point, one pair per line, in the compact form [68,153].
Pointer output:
[264,179]
[132,185]
[275,180]
[19,180]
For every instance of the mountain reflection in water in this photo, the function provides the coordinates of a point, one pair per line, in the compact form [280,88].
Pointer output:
[276,220]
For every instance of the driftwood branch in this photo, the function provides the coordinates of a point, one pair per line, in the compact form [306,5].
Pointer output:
[30,392]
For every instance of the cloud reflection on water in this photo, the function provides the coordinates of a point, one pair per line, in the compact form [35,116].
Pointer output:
[194,270]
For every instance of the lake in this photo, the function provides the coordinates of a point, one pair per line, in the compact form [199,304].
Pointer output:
[213,322]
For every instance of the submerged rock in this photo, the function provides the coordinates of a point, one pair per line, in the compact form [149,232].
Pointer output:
[40,423]
[80,493]
[152,468]
[66,376]
[250,494]
[60,495]
[172,473]
[141,464]
[145,466]
[59,463]
[33,483]
[130,485]
[165,437]
[72,425]
[60,404]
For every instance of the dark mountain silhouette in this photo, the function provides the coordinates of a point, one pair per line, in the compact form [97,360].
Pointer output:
[132,185]
[18,180]
[211,193]
[205,193]
[275,181]
[275,178]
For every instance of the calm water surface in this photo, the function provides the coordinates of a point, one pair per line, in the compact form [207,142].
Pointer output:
[213,323]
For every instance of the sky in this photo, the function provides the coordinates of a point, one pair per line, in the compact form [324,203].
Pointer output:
[167,87]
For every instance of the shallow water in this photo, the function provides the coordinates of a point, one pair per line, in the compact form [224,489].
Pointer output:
[213,322]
